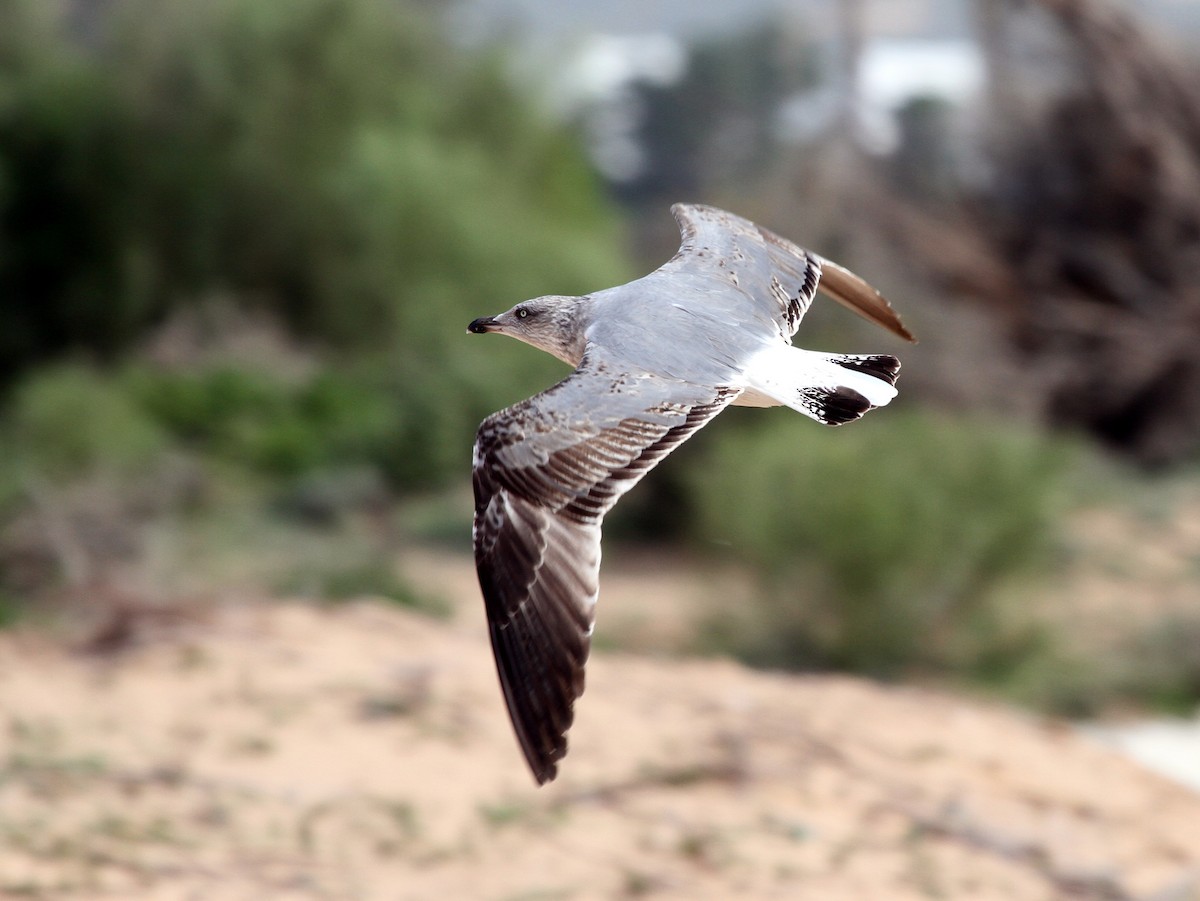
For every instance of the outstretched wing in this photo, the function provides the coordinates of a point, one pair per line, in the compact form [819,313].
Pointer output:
[784,276]
[546,471]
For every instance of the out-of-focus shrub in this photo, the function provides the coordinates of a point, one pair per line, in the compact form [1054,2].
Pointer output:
[1154,665]
[82,466]
[369,578]
[885,546]
[338,163]
[267,423]
[335,163]
[333,419]
[70,422]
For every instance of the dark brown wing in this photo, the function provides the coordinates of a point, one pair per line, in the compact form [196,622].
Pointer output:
[546,471]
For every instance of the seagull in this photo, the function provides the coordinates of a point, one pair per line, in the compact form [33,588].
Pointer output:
[655,360]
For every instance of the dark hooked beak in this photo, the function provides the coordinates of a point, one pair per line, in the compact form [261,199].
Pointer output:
[482,325]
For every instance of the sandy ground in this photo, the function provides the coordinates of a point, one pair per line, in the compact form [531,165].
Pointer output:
[362,752]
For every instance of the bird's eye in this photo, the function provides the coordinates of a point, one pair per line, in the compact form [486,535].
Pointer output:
[522,313]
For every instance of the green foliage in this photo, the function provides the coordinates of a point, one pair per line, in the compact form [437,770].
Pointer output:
[69,422]
[69,274]
[10,609]
[1155,665]
[415,436]
[371,578]
[884,546]
[267,423]
[336,162]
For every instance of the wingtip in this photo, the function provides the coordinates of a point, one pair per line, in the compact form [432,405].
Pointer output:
[543,763]
[854,293]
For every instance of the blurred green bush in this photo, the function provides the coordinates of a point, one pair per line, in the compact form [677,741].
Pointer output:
[372,578]
[268,423]
[1153,665]
[336,163]
[885,547]
[332,419]
[70,423]
[337,169]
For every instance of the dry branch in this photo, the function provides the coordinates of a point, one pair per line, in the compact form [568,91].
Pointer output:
[1096,205]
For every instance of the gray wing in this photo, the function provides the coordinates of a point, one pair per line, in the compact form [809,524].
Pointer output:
[782,276]
[546,471]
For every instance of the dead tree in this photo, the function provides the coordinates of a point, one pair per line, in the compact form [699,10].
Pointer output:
[1095,206]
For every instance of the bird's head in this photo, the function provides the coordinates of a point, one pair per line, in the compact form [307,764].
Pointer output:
[548,323]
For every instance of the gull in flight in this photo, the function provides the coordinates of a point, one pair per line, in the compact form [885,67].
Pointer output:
[655,360]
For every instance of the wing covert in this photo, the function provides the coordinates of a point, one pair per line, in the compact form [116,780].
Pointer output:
[769,266]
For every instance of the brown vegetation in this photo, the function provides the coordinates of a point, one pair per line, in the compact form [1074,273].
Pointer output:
[1086,241]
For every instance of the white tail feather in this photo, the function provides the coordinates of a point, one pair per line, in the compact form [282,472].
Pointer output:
[830,388]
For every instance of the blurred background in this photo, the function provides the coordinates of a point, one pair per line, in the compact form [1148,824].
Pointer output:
[240,242]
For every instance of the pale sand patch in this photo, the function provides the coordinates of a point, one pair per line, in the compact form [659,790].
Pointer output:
[363,753]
